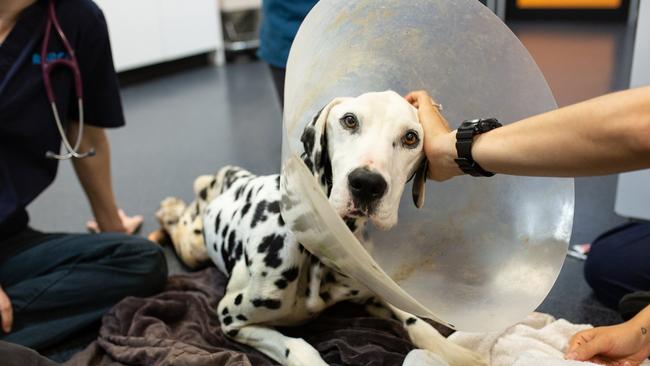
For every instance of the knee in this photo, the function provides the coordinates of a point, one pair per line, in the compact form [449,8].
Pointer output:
[593,269]
[153,266]
[143,264]
[597,267]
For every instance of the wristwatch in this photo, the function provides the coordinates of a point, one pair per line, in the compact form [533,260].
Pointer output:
[464,141]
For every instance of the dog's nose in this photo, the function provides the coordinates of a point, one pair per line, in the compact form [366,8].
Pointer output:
[365,185]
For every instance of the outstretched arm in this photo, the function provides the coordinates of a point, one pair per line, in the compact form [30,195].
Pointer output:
[626,344]
[604,135]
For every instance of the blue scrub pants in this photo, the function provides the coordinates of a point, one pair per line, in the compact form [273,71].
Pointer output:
[619,263]
[66,283]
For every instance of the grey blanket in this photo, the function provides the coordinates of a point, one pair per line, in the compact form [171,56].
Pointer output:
[179,327]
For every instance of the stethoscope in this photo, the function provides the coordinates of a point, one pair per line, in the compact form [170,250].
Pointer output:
[46,68]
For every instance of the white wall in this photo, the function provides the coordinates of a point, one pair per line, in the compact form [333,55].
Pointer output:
[145,32]
[633,192]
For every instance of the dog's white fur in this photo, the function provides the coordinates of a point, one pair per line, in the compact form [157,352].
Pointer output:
[236,222]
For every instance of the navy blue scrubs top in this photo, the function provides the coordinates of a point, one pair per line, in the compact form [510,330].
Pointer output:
[27,127]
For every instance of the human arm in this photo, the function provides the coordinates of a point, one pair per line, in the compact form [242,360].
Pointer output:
[626,344]
[94,174]
[604,135]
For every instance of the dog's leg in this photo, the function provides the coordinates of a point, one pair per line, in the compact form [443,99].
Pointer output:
[425,336]
[284,350]
[242,312]
[185,229]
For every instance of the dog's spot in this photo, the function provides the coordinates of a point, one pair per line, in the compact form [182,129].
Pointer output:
[287,352]
[239,250]
[291,274]
[239,192]
[233,333]
[277,182]
[224,311]
[247,260]
[267,303]
[245,209]
[204,194]
[213,182]
[263,273]
[217,223]
[248,196]
[227,320]
[224,232]
[238,299]
[411,321]
[271,245]
[259,215]
[231,242]
[198,231]
[234,213]
[325,296]
[227,261]
[242,317]
[274,207]
[280,221]
[281,283]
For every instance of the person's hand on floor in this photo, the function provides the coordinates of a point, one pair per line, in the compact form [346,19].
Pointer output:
[439,141]
[131,224]
[626,344]
[6,311]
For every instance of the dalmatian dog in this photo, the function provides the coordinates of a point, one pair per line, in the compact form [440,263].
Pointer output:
[362,151]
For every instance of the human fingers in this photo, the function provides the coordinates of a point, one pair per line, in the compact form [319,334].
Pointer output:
[6,311]
[600,343]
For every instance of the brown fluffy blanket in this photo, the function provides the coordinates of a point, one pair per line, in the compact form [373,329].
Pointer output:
[179,327]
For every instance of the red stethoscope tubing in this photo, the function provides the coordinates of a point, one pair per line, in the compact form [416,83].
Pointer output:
[46,68]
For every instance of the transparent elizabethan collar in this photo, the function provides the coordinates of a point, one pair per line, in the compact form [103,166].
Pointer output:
[483,252]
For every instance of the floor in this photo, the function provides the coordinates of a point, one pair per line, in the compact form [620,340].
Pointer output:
[189,123]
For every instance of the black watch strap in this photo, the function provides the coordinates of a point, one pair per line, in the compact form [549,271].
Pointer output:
[464,141]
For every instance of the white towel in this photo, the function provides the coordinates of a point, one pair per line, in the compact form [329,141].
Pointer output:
[539,340]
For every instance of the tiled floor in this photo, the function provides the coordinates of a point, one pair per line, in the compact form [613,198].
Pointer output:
[193,122]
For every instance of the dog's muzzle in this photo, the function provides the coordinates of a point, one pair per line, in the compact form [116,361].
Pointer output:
[366,188]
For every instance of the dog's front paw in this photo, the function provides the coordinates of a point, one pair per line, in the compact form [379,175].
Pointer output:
[170,211]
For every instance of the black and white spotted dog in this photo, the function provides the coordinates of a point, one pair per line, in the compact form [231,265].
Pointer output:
[362,150]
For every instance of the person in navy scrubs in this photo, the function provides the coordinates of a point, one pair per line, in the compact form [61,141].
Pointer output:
[53,285]
[279,27]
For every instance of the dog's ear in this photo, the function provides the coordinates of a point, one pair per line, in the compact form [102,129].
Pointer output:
[314,141]
[419,182]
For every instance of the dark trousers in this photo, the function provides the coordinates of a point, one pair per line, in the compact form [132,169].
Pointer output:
[67,282]
[619,263]
[278,75]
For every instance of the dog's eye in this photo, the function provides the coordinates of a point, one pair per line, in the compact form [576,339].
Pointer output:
[410,139]
[350,121]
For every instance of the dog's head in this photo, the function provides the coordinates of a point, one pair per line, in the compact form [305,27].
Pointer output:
[363,150]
